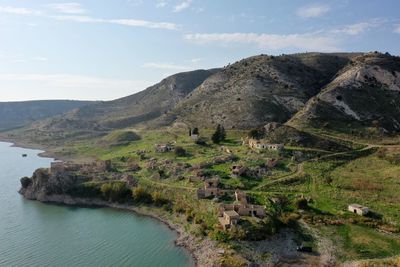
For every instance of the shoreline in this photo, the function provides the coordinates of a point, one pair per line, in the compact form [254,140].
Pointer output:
[202,251]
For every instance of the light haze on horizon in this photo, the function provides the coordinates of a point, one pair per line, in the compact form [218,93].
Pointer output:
[103,50]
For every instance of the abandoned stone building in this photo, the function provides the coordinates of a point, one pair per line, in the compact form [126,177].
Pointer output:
[163,148]
[210,189]
[263,144]
[238,170]
[229,219]
[358,209]
[240,208]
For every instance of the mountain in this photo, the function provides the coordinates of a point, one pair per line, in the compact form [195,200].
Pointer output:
[364,95]
[348,92]
[125,112]
[19,114]
[258,90]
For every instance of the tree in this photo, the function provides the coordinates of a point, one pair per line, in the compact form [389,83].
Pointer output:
[219,134]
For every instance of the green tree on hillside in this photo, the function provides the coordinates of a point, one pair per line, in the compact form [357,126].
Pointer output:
[219,134]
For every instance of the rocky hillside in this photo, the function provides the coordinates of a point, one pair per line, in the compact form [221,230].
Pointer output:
[121,113]
[19,114]
[365,94]
[341,91]
[258,90]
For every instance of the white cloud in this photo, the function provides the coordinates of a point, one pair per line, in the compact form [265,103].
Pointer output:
[68,8]
[165,66]
[313,11]
[67,86]
[18,10]
[310,41]
[195,60]
[73,13]
[77,18]
[358,28]
[161,4]
[144,23]
[397,28]
[182,6]
[125,22]
[39,58]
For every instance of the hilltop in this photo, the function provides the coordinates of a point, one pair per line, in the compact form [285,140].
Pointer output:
[258,90]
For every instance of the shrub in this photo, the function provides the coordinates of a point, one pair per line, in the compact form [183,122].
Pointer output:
[140,194]
[158,199]
[116,191]
[302,204]
[180,151]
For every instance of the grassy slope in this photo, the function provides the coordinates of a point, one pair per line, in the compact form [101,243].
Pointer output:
[354,177]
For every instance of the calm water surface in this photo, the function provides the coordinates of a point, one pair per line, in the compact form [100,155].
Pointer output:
[36,234]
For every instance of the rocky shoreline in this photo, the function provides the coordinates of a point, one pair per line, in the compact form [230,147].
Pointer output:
[204,251]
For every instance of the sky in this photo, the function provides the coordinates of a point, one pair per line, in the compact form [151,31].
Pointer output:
[106,49]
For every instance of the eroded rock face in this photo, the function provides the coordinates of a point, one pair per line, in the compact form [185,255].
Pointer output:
[44,184]
[258,90]
[364,94]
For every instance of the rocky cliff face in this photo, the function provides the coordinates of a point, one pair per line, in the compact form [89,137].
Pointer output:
[258,90]
[43,185]
[364,94]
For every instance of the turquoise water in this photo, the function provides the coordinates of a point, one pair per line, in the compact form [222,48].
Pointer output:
[36,234]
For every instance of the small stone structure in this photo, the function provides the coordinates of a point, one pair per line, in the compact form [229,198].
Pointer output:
[229,219]
[98,166]
[240,208]
[358,209]
[210,189]
[238,170]
[244,210]
[163,148]
[263,144]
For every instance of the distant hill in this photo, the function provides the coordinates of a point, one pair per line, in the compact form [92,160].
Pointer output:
[106,116]
[19,114]
[364,95]
[258,90]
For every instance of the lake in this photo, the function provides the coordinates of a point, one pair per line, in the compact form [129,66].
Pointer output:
[37,234]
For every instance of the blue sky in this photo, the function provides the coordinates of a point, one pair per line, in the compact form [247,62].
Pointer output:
[105,49]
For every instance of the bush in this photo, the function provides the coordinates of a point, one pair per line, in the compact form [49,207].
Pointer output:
[302,204]
[220,236]
[158,199]
[180,151]
[140,194]
[116,191]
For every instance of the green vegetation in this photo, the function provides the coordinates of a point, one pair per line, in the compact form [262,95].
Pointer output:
[307,183]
